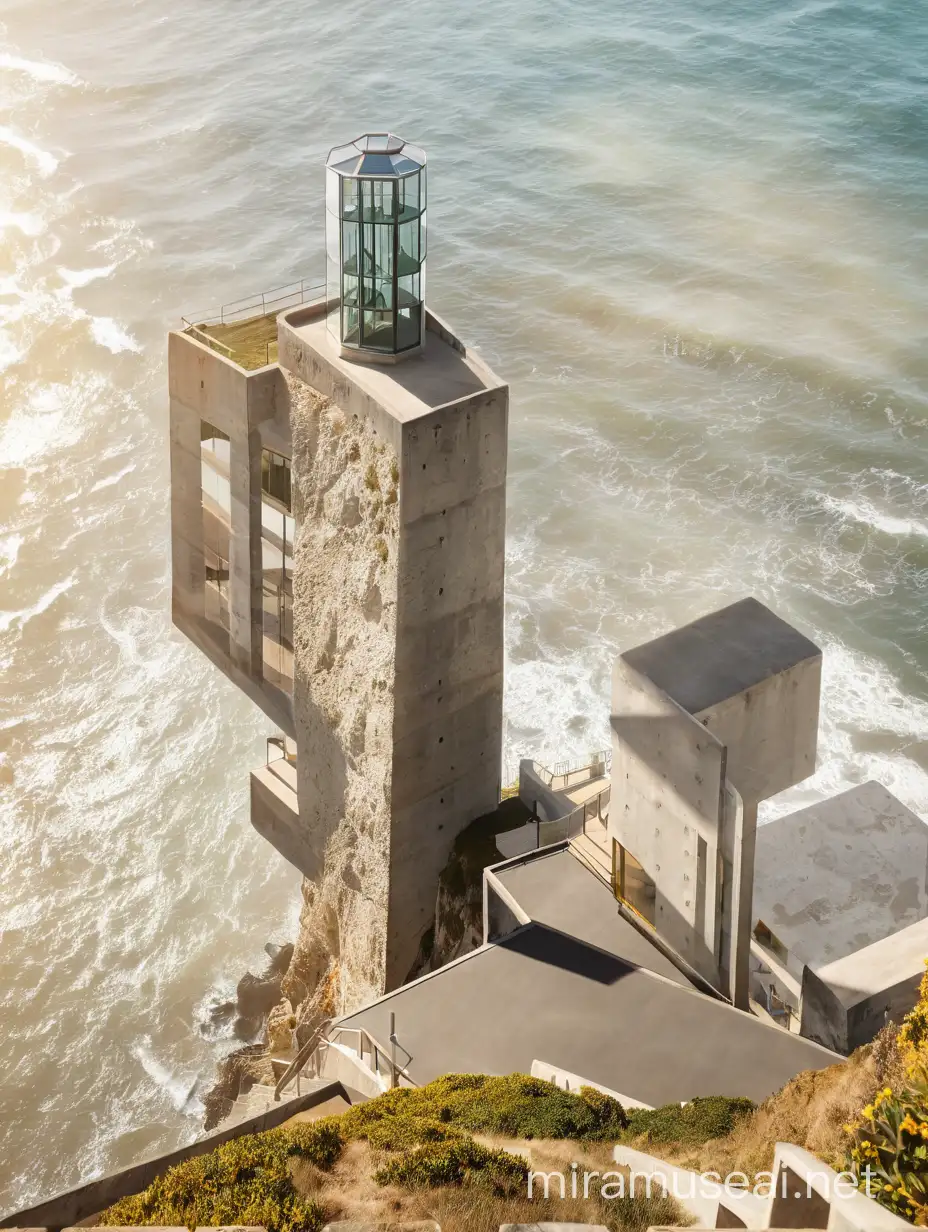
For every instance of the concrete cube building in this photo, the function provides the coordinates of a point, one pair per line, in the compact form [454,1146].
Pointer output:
[338,525]
[841,914]
[707,721]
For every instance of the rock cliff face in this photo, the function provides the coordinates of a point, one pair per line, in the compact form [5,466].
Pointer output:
[344,617]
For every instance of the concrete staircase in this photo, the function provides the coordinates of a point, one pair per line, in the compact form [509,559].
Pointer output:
[261,1099]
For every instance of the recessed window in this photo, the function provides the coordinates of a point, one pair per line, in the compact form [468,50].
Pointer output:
[275,478]
[278,531]
[216,505]
[770,941]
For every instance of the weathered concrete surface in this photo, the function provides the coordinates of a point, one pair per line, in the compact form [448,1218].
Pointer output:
[344,630]
[667,810]
[841,875]
[398,630]
[275,813]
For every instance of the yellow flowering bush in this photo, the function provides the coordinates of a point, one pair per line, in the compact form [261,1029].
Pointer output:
[889,1140]
[889,1151]
[912,1039]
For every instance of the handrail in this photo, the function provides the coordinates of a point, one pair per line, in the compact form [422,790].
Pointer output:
[241,309]
[573,823]
[564,769]
[295,1068]
[279,742]
[319,1039]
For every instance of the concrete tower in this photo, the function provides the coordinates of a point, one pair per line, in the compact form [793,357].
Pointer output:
[354,474]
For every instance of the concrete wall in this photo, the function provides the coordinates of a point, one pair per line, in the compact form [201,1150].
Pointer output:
[535,794]
[205,385]
[449,650]
[667,776]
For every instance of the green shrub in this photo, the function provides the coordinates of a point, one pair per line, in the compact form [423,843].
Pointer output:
[461,1161]
[372,479]
[244,1182]
[692,1124]
[514,1106]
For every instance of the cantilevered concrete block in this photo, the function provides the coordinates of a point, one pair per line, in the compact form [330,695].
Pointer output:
[754,681]
[707,721]
[841,891]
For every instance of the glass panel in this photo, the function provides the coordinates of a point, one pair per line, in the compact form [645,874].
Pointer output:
[407,291]
[378,330]
[349,198]
[407,260]
[637,888]
[408,328]
[275,477]
[350,248]
[332,191]
[378,293]
[350,326]
[408,197]
[349,290]
[379,200]
[377,258]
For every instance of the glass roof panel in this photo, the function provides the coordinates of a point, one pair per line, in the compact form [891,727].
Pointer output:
[403,165]
[350,167]
[376,164]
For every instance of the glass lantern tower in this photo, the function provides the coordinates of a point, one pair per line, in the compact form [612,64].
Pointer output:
[375,246]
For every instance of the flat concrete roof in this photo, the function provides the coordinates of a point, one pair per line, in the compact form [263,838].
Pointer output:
[540,994]
[415,386]
[842,874]
[721,655]
[557,890]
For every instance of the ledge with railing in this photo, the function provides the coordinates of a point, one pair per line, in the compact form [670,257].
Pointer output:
[245,330]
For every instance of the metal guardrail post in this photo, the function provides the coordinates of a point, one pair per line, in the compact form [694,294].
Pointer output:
[393,1081]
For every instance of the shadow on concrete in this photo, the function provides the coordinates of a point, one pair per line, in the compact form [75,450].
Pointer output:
[556,949]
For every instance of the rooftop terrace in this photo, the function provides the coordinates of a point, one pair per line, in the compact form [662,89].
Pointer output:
[245,331]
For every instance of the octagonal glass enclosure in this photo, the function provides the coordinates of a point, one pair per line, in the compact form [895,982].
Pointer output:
[375,244]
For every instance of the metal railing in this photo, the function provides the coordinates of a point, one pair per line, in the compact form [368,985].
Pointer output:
[574,823]
[284,754]
[594,765]
[259,305]
[370,1052]
[263,304]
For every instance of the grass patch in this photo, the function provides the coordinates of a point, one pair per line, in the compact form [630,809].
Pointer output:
[690,1125]
[243,1182]
[514,1106]
[252,342]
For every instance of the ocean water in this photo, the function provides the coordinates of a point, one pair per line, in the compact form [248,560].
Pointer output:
[693,239]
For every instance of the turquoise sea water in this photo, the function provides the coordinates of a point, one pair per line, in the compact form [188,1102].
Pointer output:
[693,239]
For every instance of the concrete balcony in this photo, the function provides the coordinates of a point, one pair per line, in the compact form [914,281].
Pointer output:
[275,811]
